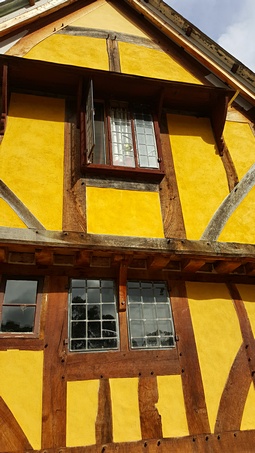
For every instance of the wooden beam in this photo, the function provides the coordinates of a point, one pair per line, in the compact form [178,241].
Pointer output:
[192,265]
[78,241]
[3,255]
[54,376]
[158,261]
[12,437]
[193,390]
[225,267]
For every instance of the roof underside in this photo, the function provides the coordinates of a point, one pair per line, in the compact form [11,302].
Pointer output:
[167,21]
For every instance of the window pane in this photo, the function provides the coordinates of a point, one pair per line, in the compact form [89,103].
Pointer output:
[121,135]
[17,319]
[145,140]
[149,319]
[97,316]
[20,292]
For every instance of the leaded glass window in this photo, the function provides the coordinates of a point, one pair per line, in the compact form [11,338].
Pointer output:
[93,320]
[149,315]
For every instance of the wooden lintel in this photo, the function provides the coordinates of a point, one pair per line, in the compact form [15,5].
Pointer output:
[224,267]
[158,261]
[192,265]
[30,239]
[44,257]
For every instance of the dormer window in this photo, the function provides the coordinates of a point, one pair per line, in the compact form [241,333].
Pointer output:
[119,136]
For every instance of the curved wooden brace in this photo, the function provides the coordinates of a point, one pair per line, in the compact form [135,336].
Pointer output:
[234,396]
[12,437]
[21,210]
[229,205]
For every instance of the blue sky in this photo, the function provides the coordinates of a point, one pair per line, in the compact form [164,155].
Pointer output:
[231,23]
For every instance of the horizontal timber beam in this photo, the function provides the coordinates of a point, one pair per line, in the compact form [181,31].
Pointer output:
[32,239]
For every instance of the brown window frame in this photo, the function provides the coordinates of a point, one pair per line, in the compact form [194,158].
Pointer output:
[87,131]
[37,305]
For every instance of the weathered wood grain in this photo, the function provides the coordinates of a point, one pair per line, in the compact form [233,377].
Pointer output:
[54,377]
[104,416]
[193,390]
[234,396]
[173,221]
[226,442]
[150,419]
[12,437]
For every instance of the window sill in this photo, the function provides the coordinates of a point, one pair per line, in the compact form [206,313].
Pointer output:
[137,174]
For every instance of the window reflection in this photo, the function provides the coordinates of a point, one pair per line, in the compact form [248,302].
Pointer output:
[93,322]
[19,306]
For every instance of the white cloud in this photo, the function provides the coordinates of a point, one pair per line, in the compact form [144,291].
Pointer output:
[231,23]
[239,37]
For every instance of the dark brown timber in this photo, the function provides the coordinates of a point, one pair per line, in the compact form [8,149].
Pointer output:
[54,384]
[193,390]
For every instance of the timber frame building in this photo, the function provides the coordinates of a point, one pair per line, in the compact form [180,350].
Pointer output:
[127,244]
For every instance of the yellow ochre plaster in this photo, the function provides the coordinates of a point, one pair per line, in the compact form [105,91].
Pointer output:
[241,144]
[123,212]
[8,217]
[171,406]
[82,407]
[240,225]
[248,419]
[143,61]
[215,324]
[21,389]
[32,154]
[125,409]
[72,50]
[107,17]
[201,177]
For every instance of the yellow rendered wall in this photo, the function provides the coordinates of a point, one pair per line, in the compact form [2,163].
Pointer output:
[215,324]
[123,212]
[171,406]
[21,389]
[82,406]
[125,410]
[32,154]
[72,50]
[154,63]
[240,225]
[241,143]
[248,420]
[201,177]
[106,17]
[8,217]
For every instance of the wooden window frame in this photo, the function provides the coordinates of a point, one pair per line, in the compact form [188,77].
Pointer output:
[87,147]
[124,338]
[38,303]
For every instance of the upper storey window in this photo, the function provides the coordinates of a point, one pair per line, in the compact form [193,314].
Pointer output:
[119,136]
[124,137]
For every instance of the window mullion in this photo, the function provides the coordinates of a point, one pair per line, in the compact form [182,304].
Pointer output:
[134,140]
[109,134]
